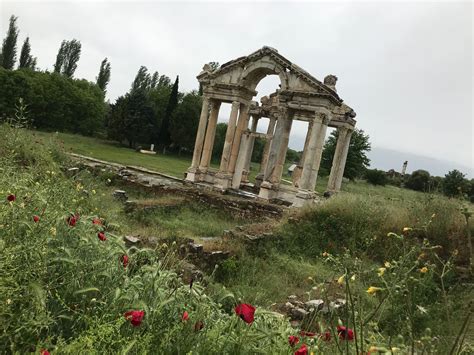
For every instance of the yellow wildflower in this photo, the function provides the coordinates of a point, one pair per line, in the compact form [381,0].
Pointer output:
[381,271]
[94,192]
[407,229]
[9,301]
[325,254]
[422,255]
[424,270]
[310,278]
[353,277]
[372,290]
[387,264]
[433,215]
[53,231]
[341,279]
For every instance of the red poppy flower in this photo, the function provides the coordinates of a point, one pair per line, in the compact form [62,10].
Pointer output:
[246,312]
[345,333]
[71,220]
[101,236]
[303,350]
[135,317]
[11,198]
[44,352]
[97,221]
[124,259]
[292,340]
[326,336]
[304,333]
[36,218]
[198,325]
[185,316]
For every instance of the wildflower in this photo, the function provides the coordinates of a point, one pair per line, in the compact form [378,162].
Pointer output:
[36,218]
[52,230]
[433,215]
[407,229]
[135,317]
[381,271]
[310,278]
[340,280]
[101,236]
[387,264]
[345,333]
[422,256]
[424,270]
[353,277]
[292,340]
[246,312]
[11,198]
[372,290]
[185,316]
[9,301]
[325,254]
[198,325]
[326,336]
[303,350]
[304,333]
[72,220]
[94,192]
[97,221]
[44,352]
[124,259]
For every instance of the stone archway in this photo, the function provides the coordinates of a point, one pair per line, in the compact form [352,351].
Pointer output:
[300,97]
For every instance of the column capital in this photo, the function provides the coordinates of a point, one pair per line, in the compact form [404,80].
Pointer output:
[235,104]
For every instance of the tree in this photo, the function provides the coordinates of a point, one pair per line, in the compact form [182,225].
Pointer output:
[219,140]
[164,137]
[454,184]
[104,75]
[185,120]
[357,160]
[142,80]
[9,45]
[376,177]
[26,59]
[419,180]
[67,58]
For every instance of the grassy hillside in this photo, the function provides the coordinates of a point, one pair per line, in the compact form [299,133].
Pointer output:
[390,253]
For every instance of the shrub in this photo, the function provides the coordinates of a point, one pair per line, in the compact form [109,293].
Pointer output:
[418,180]
[454,184]
[376,177]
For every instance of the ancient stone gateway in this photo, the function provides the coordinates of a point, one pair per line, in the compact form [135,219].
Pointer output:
[300,97]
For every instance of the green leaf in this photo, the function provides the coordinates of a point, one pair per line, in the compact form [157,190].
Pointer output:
[38,293]
[128,347]
[85,290]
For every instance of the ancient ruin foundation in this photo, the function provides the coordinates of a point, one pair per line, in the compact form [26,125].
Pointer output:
[300,97]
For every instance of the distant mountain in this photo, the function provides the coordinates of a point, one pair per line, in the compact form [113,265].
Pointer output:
[386,159]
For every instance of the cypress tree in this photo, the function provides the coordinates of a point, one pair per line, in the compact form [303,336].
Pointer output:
[9,45]
[164,134]
[104,75]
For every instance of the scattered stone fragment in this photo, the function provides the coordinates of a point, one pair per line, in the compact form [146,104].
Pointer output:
[316,304]
[298,313]
[120,195]
[130,239]
[195,248]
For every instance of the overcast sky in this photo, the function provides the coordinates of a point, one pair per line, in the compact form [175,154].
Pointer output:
[405,67]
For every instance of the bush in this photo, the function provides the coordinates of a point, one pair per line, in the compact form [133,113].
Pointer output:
[418,180]
[376,177]
[454,184]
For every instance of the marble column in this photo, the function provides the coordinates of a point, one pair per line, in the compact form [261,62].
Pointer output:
[249,147]
[297,172]
[198,145]
[339,159]
[313,153]
[245,142]
[266,149]
[210,135]
[278,148]
[229,137]
[242,125]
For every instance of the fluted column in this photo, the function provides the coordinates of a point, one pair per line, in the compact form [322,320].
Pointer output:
[313,152]
[266,149]
[229,137]
[198,145]
[249,147]
[339,159]
[242,125]
[210,135]
[278,148]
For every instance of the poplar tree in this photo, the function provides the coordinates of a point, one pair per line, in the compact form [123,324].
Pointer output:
[104,75]
[67,57]
[26,59]
[8,56]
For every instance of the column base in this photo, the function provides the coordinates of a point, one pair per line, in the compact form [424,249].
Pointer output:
[193,175]
[223,181]
[267,191]
[304,198]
